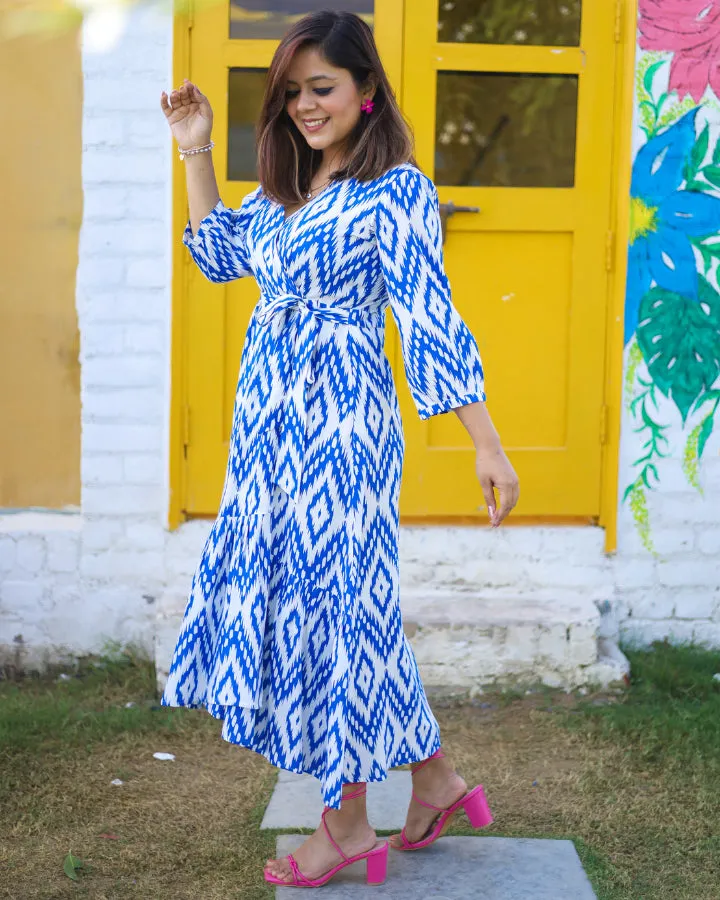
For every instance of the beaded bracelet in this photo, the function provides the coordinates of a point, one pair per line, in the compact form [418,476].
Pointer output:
[193,150]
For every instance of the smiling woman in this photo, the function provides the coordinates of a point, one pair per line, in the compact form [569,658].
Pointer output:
[293,634]
[316,76]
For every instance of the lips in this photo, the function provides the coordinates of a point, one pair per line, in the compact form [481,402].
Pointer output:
[315,124]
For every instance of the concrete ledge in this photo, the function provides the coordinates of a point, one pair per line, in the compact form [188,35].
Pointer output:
[472,641]
[466,868]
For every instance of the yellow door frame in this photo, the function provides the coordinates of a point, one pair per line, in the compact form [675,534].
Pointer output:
[392,23]
[625,35]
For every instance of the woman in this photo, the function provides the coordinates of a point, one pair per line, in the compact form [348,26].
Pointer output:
[292,634]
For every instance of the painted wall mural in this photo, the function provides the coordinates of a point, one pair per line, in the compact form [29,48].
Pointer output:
[672,311]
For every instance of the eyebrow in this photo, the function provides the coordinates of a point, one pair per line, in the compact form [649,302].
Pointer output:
[316,78]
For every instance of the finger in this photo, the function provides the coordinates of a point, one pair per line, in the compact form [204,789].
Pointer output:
[164,103]
[505,505]
[489,497]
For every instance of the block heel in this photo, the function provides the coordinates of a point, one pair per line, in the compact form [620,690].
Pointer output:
[377,863]
[476,808]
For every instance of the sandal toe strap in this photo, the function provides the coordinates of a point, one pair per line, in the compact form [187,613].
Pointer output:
[298,877]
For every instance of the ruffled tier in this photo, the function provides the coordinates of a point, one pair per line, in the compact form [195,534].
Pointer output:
[295,671]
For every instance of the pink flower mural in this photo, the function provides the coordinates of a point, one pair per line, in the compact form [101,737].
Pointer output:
[690,29]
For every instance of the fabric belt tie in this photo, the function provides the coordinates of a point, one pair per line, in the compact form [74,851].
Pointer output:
[309,315]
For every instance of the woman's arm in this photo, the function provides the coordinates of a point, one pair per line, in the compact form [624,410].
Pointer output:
[202,189]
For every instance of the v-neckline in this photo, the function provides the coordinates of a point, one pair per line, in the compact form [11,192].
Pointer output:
[286,219]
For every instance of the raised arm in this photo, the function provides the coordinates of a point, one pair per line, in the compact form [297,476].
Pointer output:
[190,117]
[215,235]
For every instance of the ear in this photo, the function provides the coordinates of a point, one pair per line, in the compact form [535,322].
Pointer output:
[369,88]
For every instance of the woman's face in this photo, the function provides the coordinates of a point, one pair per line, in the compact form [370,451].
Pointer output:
[323,102]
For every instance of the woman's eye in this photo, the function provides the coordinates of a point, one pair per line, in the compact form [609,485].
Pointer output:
[323,92]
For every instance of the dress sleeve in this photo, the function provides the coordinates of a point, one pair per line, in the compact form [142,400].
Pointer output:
[441,356]
[218,246]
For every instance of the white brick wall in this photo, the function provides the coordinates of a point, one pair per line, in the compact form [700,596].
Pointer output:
[71,581]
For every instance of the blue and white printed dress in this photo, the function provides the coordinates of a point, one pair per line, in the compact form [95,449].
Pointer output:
[292,634]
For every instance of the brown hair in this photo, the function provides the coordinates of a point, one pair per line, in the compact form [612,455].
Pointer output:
[286,162]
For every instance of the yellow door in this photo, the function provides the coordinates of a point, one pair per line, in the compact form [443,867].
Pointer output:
[511,104]
[231,46]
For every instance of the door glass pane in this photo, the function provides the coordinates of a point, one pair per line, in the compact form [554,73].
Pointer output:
[550,23]
[270,19]
[503,130]
[245,95]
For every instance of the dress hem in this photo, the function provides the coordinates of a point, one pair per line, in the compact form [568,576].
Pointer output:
[373,778]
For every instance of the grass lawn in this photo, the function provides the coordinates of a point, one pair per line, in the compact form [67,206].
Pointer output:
[633,780]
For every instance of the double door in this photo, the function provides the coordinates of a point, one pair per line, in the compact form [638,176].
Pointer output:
[510,102]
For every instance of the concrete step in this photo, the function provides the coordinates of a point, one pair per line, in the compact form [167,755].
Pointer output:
[467,642]
[465,868]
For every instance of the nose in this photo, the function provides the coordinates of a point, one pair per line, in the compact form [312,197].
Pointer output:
[306,102]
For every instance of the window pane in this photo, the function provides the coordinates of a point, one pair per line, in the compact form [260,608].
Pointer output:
[550,23]
[245,95]
[270,19]
[502,130]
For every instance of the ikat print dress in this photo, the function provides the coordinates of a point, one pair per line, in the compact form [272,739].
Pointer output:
[292,634]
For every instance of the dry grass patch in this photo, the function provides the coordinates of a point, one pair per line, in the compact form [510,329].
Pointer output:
[634,781]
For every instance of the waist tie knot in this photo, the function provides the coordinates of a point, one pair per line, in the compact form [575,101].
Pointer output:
[308,316]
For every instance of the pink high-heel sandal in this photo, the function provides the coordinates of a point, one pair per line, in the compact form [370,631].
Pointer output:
[377,859]
[474,803]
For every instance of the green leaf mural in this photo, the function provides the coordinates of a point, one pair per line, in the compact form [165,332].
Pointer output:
[672,312]
[680,342]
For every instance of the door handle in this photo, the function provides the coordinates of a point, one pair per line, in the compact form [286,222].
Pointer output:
[449,209]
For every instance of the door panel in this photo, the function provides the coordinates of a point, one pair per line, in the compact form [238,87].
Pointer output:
[520,132]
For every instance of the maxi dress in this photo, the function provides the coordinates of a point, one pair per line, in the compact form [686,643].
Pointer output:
[292,634]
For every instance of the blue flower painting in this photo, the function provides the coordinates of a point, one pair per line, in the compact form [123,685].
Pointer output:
[663,218]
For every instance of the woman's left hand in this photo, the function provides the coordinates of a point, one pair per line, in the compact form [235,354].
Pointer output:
[495,472]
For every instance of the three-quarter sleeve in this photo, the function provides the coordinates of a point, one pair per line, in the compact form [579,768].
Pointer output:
[219,245]
[441,356]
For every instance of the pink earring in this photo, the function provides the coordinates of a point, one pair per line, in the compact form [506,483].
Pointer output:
[367,106]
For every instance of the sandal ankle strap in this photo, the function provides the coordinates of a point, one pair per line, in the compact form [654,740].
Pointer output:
[351,795]
[438,754]
[358,792]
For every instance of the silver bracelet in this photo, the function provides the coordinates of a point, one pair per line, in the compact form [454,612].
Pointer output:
[193,150]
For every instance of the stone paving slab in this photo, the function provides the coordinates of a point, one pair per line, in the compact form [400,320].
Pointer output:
[465,868]
[296,802]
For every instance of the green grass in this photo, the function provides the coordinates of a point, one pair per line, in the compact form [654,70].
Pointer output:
[671,713]
[81,707]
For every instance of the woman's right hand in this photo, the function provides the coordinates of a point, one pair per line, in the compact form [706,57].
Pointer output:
[189,115]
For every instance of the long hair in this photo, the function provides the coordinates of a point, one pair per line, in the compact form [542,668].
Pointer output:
[286,163]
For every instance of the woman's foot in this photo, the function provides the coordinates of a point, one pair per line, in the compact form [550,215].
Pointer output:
[350,830]
[434,782]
